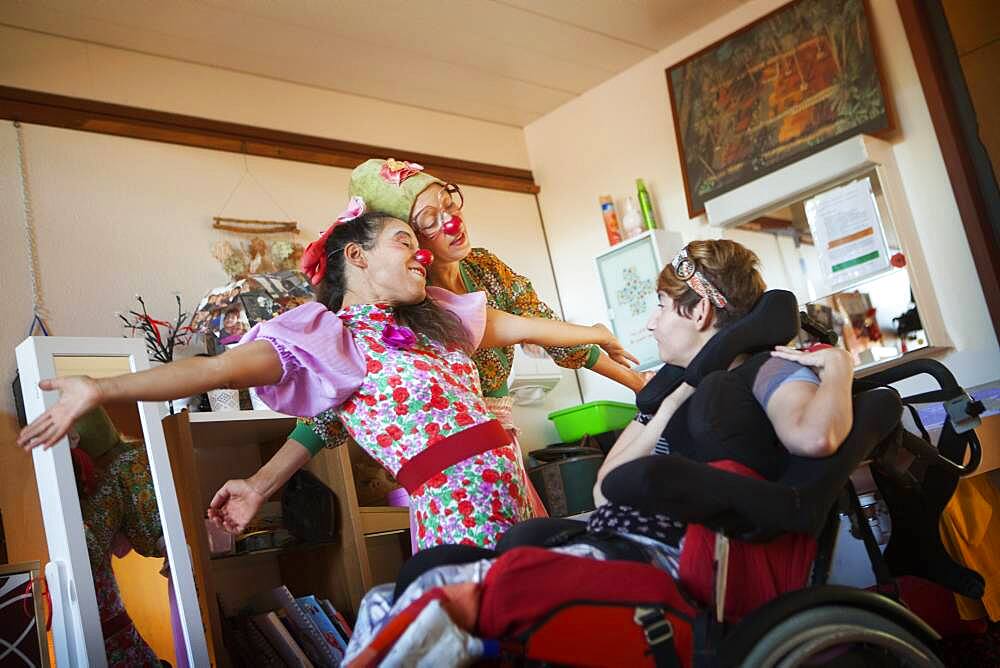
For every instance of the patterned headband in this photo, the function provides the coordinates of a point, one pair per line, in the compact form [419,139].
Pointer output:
[686,270]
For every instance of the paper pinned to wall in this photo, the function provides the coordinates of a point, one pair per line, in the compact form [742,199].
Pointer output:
[848,233]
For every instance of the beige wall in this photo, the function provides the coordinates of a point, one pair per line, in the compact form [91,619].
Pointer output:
[602,141]
[117,217]
[22,517]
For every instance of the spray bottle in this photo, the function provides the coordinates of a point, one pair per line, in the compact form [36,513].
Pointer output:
[646,204]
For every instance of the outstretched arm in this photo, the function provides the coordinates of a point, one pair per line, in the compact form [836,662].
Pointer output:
[504,329]
[249,365]
[238,501]
[633,380]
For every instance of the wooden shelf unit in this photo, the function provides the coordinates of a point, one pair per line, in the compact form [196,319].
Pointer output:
[206,450]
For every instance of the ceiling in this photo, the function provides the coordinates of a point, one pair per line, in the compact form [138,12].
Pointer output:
[506,61]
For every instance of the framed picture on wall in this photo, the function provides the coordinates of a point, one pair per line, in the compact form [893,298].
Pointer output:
[792,83]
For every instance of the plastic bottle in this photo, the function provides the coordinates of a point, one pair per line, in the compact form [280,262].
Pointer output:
[631,219]
[611,226]
[646,204]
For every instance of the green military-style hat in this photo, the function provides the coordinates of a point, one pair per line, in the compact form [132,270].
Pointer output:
[390,186]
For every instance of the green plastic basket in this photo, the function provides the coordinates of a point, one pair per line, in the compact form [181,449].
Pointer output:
[594,417]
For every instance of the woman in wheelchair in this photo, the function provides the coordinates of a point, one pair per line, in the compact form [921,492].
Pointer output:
[803,407]
[806,396]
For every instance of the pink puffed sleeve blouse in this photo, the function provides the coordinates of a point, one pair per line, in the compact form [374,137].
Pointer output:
[322,365]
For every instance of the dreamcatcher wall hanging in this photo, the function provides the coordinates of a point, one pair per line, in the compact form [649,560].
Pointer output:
[246,246]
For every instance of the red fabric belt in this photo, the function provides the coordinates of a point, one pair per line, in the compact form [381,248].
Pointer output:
[452,450]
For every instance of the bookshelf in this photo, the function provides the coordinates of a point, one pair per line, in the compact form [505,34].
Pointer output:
[206,450]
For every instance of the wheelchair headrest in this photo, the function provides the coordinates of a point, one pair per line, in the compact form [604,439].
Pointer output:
[773,321]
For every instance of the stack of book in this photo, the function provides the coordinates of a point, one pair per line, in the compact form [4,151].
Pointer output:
[277,629]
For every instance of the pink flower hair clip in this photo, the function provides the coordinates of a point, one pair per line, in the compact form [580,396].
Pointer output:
[355,209]
[396,171]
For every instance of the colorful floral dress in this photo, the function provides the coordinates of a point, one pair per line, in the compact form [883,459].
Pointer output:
[123,504]
[507,291]
[397,402]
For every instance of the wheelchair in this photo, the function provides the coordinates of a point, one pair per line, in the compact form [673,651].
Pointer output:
[824,624]
[843,625]
[820,624]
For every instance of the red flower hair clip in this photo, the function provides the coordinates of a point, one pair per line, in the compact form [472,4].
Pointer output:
[314,256]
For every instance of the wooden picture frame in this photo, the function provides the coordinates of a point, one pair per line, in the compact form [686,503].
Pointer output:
[784,87]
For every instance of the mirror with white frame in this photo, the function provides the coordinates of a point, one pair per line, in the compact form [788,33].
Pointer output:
[112,521]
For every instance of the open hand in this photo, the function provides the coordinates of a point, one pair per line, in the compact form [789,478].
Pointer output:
[614,348]
[77,395]
[234,505]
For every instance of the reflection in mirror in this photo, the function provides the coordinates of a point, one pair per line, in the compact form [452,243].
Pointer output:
[122,525]
[838,251]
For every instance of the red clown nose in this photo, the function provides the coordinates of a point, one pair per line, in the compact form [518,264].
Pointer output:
[453,227]
[424,257]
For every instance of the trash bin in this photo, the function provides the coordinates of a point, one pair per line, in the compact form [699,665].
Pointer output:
[565,477]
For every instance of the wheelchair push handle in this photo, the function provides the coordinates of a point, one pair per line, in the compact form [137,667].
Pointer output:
[962,411]
[924,450]
[939,372]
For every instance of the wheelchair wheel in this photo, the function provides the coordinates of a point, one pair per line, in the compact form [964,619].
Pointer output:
[839,636]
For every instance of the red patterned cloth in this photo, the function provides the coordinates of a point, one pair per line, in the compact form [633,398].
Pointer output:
[758,572]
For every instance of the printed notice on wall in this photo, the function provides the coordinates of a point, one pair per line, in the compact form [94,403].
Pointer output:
[848,234]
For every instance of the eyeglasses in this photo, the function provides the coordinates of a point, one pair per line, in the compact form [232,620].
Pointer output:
[429,219]
[686,270]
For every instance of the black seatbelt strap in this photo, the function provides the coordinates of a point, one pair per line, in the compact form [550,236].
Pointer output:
[919,423]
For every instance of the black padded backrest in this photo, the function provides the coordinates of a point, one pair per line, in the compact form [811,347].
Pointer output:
[773,321]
